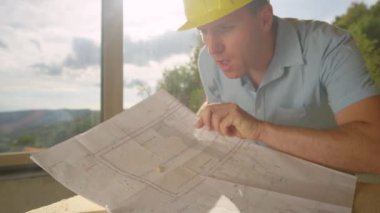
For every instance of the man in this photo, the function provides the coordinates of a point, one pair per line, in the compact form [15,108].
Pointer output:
[300,87]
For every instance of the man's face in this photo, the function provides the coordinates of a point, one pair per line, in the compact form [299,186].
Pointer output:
[234,42]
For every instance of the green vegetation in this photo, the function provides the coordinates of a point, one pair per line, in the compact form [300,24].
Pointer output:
[184,83]
[48,132]
[364,24]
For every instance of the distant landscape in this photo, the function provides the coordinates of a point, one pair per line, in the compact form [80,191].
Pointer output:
[20,130]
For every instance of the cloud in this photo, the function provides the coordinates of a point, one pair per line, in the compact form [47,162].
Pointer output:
[158,17]
[158,48]
[133,83]
[85,53]
[53,69]
[147,53]
[149,74]
[143,89]
[3,45]
[37,44]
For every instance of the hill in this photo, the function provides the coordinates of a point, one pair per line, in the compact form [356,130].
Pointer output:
[42,128]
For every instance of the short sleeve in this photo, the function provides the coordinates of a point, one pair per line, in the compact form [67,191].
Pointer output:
[344,74]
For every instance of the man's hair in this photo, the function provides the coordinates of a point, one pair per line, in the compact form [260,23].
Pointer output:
[255,6]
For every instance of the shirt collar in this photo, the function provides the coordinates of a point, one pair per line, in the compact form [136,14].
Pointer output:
[288,50]
[287,53]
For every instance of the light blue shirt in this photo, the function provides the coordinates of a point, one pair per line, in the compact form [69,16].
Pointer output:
[316,71]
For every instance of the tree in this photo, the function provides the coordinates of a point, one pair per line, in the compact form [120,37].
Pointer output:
[184,83]
[364,25]
[26,140]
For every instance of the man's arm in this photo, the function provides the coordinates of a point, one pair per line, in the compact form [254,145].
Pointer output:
[353,146]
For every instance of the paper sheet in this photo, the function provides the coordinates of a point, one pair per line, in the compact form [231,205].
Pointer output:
[147,159]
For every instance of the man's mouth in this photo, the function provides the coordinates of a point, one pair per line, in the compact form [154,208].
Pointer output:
[223,64]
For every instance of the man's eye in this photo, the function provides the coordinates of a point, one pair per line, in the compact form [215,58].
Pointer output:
[225,28]
[202,32]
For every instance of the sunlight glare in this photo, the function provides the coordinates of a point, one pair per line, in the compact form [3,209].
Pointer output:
[147,18]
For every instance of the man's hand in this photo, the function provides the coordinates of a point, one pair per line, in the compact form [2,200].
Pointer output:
[230,120]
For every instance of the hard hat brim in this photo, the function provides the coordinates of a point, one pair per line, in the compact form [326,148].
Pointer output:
[188,25]
[212,16]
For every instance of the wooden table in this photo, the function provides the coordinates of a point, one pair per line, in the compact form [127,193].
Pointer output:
[367,200]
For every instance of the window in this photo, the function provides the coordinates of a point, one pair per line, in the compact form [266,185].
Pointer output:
[50,71]
[50,61]
[152,45]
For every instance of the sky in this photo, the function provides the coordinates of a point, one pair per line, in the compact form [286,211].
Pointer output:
[50,49]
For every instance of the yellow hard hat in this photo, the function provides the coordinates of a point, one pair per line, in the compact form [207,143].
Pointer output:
[200,12]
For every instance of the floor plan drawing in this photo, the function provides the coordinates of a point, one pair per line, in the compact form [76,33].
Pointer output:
[150,158]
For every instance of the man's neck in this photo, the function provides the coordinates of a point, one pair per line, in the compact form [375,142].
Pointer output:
[256,78]
[257,74]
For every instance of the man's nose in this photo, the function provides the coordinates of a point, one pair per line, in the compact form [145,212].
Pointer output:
[214,45]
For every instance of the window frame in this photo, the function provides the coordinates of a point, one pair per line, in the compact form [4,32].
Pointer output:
[111,78]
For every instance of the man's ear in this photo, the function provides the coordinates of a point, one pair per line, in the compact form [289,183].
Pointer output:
[266,17]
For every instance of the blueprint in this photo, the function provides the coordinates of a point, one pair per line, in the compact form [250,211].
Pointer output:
[150,158]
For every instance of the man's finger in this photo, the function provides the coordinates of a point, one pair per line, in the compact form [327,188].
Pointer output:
[199,123]
[215,119]
[226,126]
[218,116]
[205,117]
